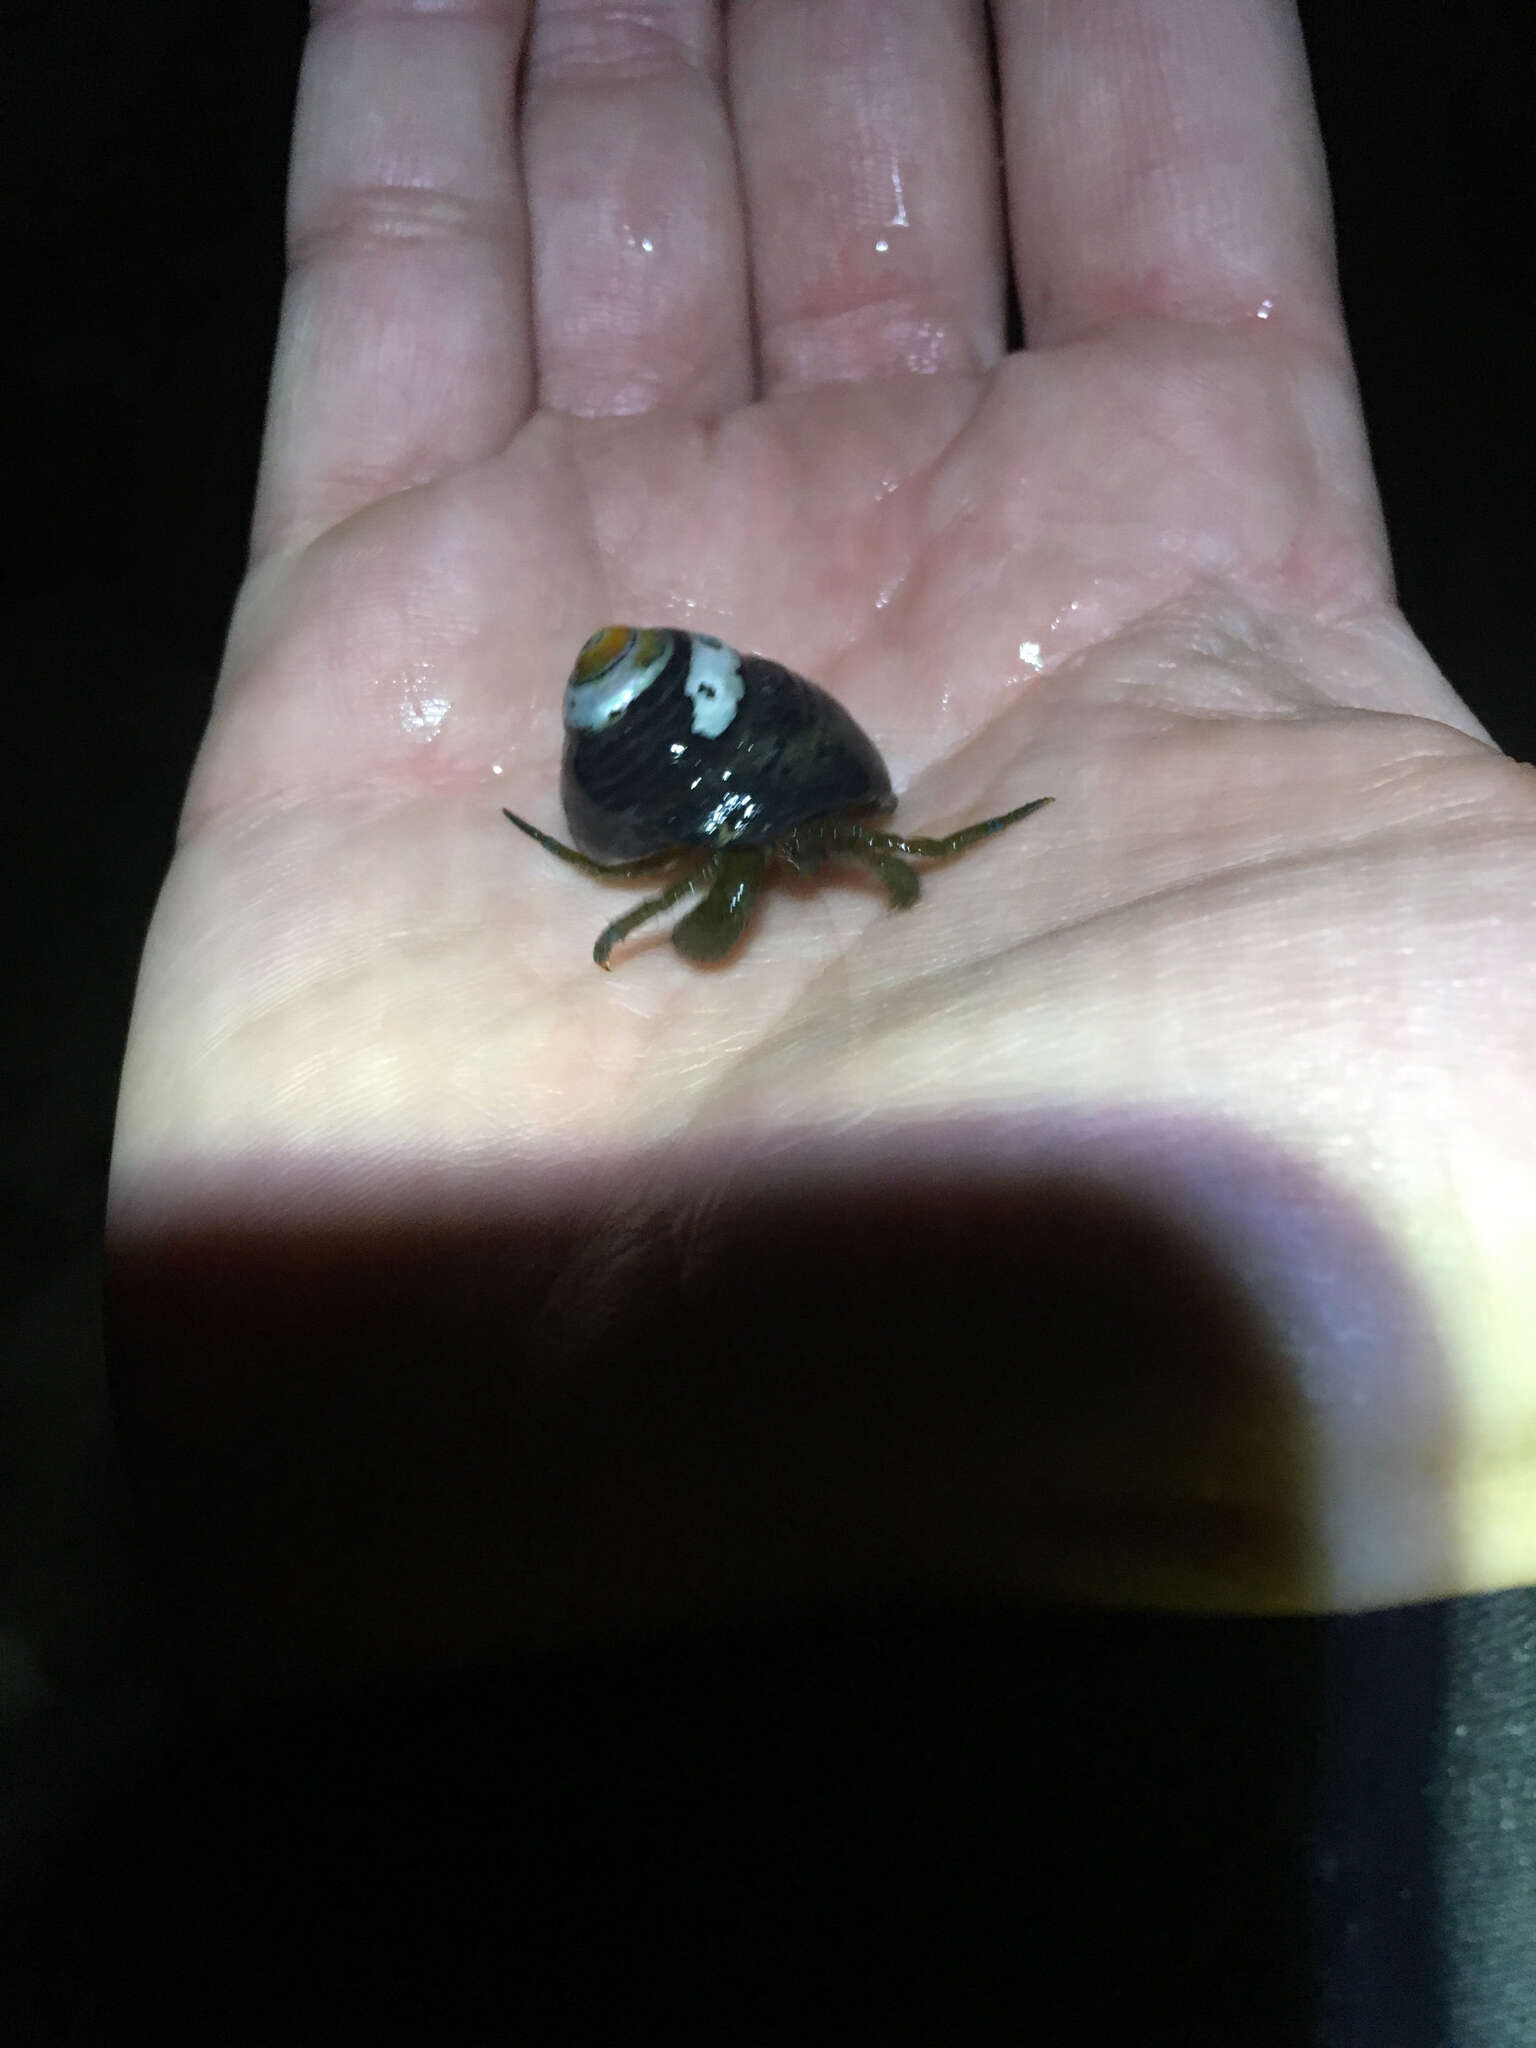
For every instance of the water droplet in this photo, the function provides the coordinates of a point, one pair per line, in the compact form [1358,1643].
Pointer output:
[898,218]
[422,715]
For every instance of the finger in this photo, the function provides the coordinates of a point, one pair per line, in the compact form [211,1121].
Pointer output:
[405,347]
[639,269]
[869,160]
[1163,160]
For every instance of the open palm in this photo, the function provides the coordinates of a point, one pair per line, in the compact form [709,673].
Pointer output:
[719,344]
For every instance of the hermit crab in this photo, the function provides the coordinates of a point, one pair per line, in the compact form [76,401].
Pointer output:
[681,753]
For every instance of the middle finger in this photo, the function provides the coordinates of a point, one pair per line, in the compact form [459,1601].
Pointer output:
[869,153]
[639,271]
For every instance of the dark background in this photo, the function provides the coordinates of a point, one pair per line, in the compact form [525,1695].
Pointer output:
[1238,1832]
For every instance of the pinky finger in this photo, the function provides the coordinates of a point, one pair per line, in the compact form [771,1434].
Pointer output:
[405,346]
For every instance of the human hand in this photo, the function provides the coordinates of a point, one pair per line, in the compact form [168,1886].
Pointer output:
[1147,1214]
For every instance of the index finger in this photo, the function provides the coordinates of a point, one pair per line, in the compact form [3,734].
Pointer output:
[1164,161]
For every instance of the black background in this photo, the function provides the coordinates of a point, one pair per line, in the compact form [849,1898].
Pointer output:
[936,1825]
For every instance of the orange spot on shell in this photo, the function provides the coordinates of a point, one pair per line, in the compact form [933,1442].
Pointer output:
[601,651]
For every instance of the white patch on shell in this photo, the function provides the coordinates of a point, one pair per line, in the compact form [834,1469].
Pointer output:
[591,706]
[713,683]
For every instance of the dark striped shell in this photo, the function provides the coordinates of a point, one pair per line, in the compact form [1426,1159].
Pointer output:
[674,739]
